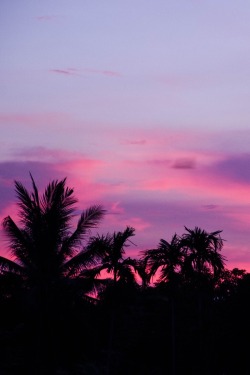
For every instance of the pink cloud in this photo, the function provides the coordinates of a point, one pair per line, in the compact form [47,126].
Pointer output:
[150,194]
[196,175]
[82,164]
[237,255]
[116,209]
[9,210]
[198,186]
[139,224]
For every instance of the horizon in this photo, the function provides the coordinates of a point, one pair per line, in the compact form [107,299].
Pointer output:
[144,108]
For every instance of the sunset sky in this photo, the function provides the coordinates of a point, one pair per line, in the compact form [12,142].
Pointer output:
[144,105]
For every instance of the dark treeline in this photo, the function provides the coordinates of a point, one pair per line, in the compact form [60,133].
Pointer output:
[75,303]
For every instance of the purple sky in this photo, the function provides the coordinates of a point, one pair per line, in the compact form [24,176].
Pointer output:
[142,105]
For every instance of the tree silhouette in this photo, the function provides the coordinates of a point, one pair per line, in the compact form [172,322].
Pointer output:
[202,253]
[143,271]
[168,259]
[197,307]
[113,258]
[122,282]
[50,259]
[202,268]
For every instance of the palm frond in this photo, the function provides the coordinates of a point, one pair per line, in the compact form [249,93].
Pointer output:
[93,272]
[20,243]
[91,217]
[7,265]
[120,239]
[88,220]
[203,250]
[25,203]
[126,274]
[35,194]
[88,257]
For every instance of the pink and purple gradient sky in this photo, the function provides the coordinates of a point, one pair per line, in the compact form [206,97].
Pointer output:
[142,105]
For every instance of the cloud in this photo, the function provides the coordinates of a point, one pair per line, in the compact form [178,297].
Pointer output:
[64,71]
[79,170]
[81,72]
[234,167]
[155,195]
[184,163]
[116,209]
[11,170]
[210,206]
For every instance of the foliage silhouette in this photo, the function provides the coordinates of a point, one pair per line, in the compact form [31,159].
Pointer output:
[203,252]
[51,324]
[50,261]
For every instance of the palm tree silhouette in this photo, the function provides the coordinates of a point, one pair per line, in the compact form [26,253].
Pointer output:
[113,261]
[142,269]
[49,258]
[167,259]
[203,266]
[203,252]
[122,282]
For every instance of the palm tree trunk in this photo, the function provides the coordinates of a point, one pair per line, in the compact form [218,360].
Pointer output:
[111,341]
[173,334]
[112,325]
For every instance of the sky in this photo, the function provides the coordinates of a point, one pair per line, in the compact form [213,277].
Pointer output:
[143,105]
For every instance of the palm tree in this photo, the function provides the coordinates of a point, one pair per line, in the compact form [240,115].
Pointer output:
[202,269]
[48,257]
[202,250]
[167,259]
[113,260]
[122,282]
[142,270]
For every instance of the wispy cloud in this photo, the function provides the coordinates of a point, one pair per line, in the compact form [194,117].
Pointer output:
[69,72]
[82,72]
[210,206]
